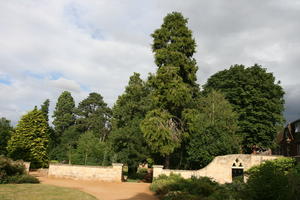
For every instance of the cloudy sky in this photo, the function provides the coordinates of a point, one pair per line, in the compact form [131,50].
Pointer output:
[86,46]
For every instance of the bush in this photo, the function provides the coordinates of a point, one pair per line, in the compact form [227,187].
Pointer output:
[175,187]
[22,179]
[276,179]
[14,172]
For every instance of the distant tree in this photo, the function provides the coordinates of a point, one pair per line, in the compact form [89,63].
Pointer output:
[64,116]
[67,147]
[127,139]
[45,109]
[86,144]
[173,87]
[256,98]
[5,133]
[29,140]
[212,130]
[94,115]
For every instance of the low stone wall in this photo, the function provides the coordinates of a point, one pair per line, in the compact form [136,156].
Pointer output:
[220,169]
[80,172]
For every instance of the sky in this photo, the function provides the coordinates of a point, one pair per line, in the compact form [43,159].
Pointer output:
[83,46]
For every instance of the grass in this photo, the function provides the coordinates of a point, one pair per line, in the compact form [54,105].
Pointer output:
[40,192]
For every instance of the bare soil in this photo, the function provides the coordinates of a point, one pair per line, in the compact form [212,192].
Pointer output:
[105,190]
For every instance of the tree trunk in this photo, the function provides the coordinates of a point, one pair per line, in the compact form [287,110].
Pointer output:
[85,158]
[167,161]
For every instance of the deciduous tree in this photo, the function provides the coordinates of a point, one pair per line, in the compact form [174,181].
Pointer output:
[5,133]
[257,98]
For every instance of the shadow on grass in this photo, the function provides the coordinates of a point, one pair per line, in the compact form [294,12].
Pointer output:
[142,196]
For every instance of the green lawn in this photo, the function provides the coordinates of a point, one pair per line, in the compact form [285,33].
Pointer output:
[40,192]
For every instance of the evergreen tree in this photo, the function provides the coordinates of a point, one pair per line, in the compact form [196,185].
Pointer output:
[94,115]
[5,133]
[256,98]
[173,87]
[127,140]
[212,130]
[45,109]
[64,116]
[29,140]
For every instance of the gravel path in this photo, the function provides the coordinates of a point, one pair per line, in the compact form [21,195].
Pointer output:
[106,190]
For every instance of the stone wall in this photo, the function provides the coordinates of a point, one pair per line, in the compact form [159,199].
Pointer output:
[220,169]
[80,172]
[27,166]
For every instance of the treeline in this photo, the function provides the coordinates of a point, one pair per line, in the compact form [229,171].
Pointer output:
[166,119]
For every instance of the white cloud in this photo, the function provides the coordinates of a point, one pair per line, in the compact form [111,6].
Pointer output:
[83,46]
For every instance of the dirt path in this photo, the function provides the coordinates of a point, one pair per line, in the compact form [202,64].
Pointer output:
[106,190]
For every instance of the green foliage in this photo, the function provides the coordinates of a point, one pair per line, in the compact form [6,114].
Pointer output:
[94,115]
[66,149]
[173,88]
[283,164]
[161,131]
[127,141]
[212,128]
[86,144]
[5,133]
[14,172]
[24,178]
[174,46]
[256,98]
[64,116]
[45,109]
[274,179]
[29,141]
[175,187]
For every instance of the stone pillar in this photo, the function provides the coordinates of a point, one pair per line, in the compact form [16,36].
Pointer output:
[118,169]
[27,166]
[157,170]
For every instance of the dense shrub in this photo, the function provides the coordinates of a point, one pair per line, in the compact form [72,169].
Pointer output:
[175,187]
[277,179]
[14,172]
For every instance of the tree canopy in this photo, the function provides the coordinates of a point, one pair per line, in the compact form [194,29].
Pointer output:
[64,116]
[212,130]
[29,140]
[94,115]
[5,133]
[257,99]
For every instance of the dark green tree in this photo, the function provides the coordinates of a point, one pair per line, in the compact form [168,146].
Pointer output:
[258,100]
[5,133]
[127,139]
[29,141]
[94,115]
[64,116]
[173,87]
[212,130]
[45,109]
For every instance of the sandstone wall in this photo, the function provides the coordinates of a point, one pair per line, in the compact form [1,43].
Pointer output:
[220,169]
[27,166]
[80,172]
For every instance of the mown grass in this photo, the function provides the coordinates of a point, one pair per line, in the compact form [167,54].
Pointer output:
[40,192]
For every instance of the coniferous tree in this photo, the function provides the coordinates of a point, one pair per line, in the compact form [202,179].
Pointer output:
[45,109]
[173,87]
[29,140]
[127,139]
[64,116]
[94,115]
